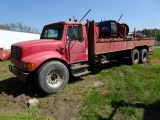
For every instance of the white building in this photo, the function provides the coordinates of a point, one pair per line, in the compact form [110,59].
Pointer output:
[7,38]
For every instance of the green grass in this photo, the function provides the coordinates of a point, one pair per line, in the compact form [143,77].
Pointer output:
[4,69]
[22,116]
[157,43]
[118,92]
[126,86]
[156,54]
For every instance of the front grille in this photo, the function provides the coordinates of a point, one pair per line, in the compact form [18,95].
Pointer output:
[16,52]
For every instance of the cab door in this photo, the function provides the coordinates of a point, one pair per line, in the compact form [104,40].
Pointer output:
[76,50]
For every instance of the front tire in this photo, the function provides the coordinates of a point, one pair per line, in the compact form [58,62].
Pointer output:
[52,77]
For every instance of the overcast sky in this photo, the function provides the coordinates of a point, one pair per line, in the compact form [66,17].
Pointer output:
[36,13]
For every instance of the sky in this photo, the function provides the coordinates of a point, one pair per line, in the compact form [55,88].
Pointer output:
[137,14]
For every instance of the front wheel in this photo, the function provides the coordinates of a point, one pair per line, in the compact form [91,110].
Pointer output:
[52,77]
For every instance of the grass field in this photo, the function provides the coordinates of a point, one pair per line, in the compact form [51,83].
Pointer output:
[157,43]
[116,91]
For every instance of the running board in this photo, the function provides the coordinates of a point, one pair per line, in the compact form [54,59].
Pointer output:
[81,74]
[78,67]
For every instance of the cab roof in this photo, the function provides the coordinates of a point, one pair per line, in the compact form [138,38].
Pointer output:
[65,22]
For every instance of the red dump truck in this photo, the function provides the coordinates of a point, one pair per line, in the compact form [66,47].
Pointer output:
[70,48]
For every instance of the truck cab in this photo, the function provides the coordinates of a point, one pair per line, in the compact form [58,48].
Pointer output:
[62,43]
[70,47]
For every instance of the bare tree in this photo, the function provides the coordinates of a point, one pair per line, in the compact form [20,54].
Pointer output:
[18,27]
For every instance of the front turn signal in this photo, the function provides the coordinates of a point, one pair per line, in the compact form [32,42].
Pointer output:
[30,66]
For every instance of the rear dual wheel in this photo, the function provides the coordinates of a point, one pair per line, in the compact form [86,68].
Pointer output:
[137,56]
[143,56]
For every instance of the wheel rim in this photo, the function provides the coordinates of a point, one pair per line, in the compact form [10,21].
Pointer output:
[55,78]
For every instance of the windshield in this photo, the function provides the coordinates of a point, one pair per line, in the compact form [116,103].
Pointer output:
[52,32]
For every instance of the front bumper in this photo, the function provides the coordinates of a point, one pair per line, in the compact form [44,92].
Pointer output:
[20,74]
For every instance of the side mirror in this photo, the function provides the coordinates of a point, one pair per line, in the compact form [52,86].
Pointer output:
[80,33]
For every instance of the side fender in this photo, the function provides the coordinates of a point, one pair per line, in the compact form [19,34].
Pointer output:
[40,57]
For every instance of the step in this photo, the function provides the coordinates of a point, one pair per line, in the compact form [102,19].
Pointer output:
[82,73]
[78,67]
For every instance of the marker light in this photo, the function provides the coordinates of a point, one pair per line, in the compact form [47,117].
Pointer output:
[30,66]
[61,48]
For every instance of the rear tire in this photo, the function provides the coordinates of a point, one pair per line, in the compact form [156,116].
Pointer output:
[135,56]
[143,56]
[52,77]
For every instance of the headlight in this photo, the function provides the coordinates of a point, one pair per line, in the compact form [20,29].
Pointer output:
[23,65]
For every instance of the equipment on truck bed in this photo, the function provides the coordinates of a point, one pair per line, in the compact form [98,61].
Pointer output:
[111,28]
[107,28]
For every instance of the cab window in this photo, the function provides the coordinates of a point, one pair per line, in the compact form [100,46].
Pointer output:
[52,32]
[72,33]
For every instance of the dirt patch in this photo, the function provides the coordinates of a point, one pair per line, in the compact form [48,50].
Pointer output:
[14,95]
[146,64]
[62,107]
[97,84]
[154,61]
[118,116]
[3,71]
[11,104]
[102,90]
[21,99]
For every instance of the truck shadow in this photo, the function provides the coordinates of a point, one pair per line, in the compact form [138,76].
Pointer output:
[13,86]
[96,69]
[151,111]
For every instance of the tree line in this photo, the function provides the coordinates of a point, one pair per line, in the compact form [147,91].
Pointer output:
[151,32]
[19,27]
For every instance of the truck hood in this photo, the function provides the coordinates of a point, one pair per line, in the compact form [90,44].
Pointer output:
[35,46]
[34,42]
